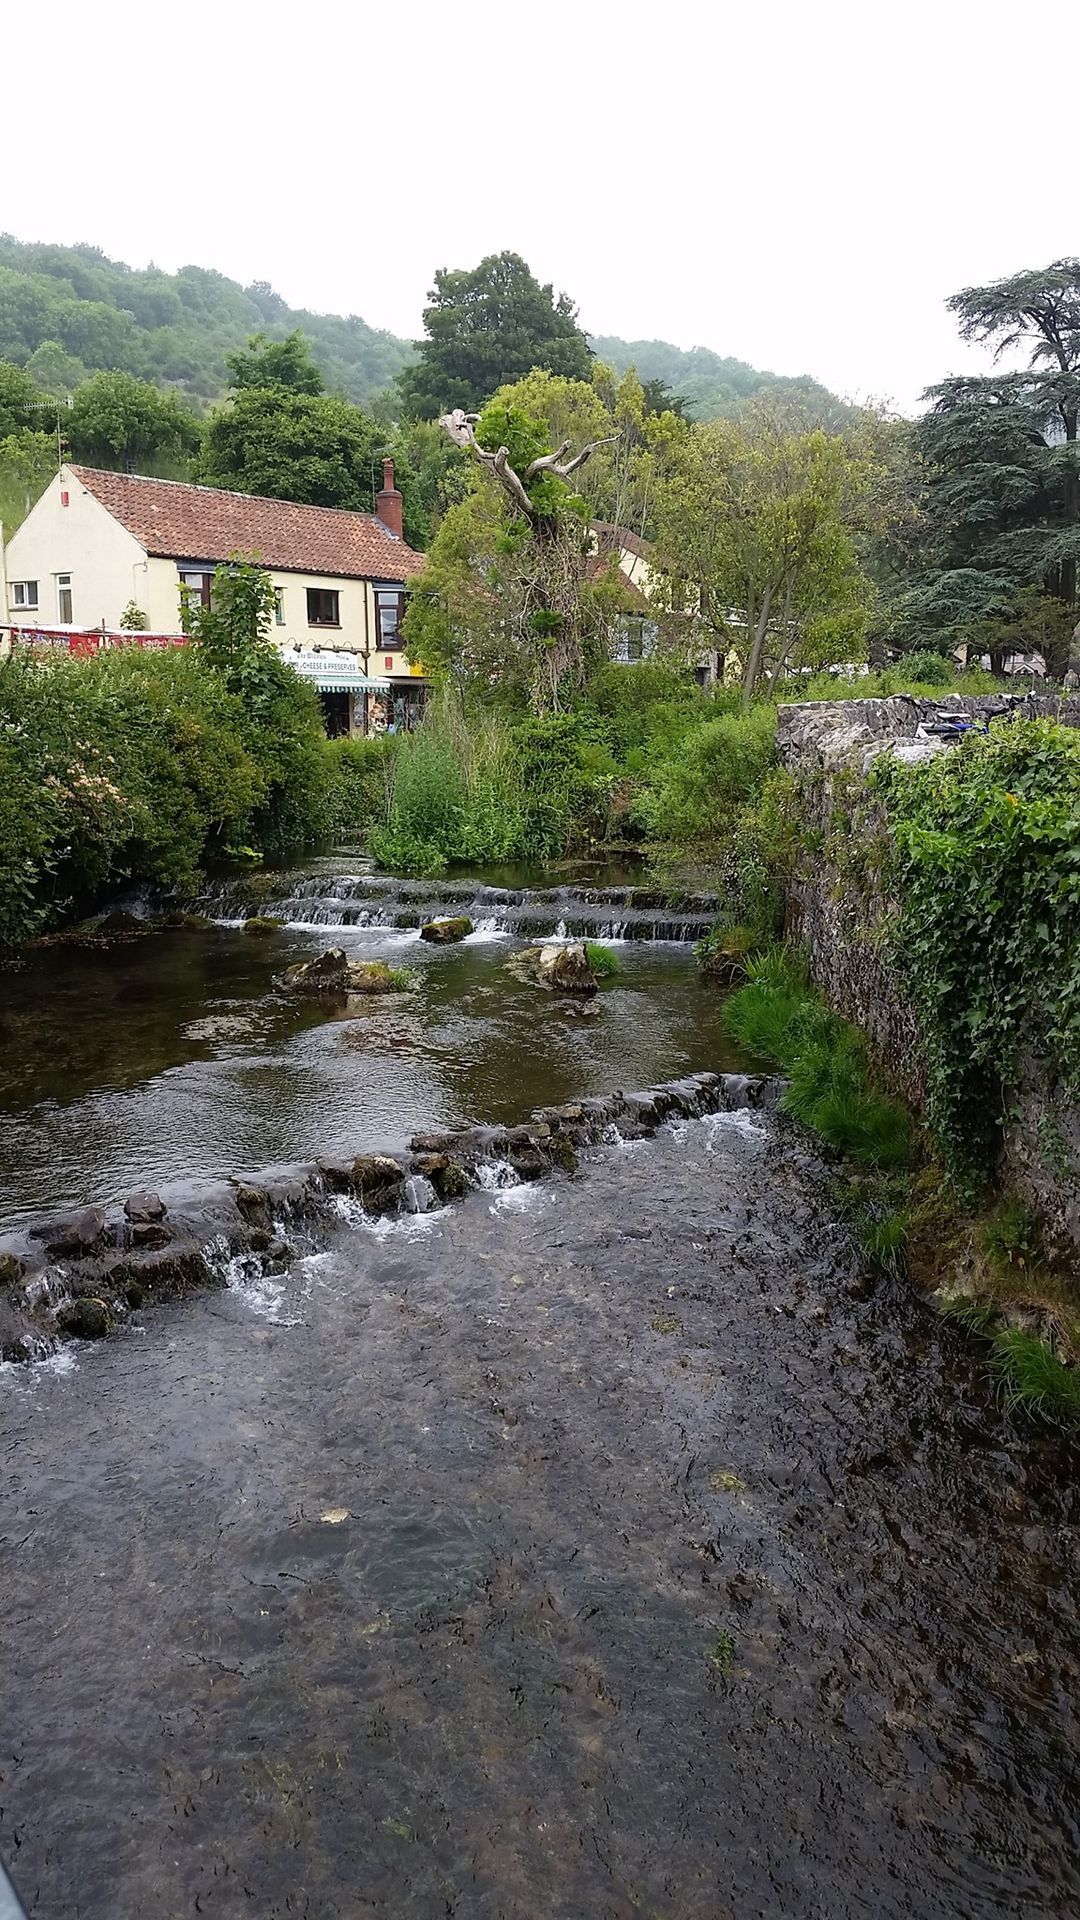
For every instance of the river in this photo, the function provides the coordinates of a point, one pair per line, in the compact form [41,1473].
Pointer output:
[601,1548]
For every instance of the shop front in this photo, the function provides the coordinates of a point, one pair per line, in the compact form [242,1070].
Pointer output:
[345,691]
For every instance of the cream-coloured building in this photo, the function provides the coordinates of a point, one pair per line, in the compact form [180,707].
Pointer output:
[98,544]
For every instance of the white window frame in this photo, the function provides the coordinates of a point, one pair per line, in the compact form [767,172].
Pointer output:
[21,595]
[279,606]
[63,585]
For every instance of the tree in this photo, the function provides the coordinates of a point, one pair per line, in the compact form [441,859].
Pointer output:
[27,464]
[1003,498]
[293,446]
[756,539]
[486,328]
[19,400]
[282,725]
[506,581]
[284,365]
[118,421]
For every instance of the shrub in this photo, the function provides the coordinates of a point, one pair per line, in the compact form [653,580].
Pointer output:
[928,669]
[362,782]
[717,768]
[143,765]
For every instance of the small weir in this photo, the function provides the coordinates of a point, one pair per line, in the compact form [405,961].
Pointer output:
[361,900]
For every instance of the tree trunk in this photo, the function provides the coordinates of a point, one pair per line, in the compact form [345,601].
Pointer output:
[752,670]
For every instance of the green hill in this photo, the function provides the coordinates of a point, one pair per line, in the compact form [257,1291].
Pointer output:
[68,311]
[717,387]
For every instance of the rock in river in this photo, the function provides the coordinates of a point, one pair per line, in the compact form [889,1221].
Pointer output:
[443,933]
[560,969]
[332,973]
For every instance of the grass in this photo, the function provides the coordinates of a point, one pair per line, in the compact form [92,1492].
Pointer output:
[402,979]
[881,1235]
[778,1016]
[1034,1381]
[1010,1238]
[603,962]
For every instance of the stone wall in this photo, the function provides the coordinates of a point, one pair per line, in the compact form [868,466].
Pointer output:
[840,910]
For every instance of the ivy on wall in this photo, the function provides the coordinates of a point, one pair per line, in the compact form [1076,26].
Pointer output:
[987,850]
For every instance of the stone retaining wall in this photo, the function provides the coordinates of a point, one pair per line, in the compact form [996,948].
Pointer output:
[840,910]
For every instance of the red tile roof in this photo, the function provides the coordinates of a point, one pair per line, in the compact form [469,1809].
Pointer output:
[180,522]
[604,565]
[610,538]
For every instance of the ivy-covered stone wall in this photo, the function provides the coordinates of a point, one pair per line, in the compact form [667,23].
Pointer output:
[936,894]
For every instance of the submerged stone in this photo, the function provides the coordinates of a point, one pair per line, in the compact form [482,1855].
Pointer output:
[87,1319]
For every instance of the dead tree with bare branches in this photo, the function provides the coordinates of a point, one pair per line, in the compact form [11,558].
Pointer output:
[549,614]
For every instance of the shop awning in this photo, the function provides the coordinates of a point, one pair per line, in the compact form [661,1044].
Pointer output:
[336,672]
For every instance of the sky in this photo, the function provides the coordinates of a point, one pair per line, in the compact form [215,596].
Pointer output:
[798,185]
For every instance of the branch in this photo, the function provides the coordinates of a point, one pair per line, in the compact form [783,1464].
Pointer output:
[546,460]
[460,426]
[550,461]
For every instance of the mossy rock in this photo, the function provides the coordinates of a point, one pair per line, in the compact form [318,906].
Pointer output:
[444,933]
[260,924]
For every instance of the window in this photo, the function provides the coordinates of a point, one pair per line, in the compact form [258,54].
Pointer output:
[279,606]
[195,585]
[63,599]
[635,639]
[389,612]
[24,593]
[322,607]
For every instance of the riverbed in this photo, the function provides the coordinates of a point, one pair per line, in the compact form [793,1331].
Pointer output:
[603,1547]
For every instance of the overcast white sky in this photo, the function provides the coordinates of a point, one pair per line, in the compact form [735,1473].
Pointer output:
[798,184]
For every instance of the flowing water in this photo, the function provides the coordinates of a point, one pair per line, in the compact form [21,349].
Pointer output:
[178,1055]
[603,1548]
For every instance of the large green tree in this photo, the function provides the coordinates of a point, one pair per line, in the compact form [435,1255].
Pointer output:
[118,421]
[487,327]
[19,400]
[286,438]
[756,540]
[1003,495]
[27,464]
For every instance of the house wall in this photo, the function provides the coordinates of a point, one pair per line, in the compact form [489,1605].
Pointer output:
[109,568]
[106,563]
[637,570]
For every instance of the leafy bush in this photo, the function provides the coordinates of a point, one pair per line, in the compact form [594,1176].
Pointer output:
[142,765]
[362,782]
[929,669]
[716,769]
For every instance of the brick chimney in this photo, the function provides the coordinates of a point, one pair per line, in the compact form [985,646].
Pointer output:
[389,503]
